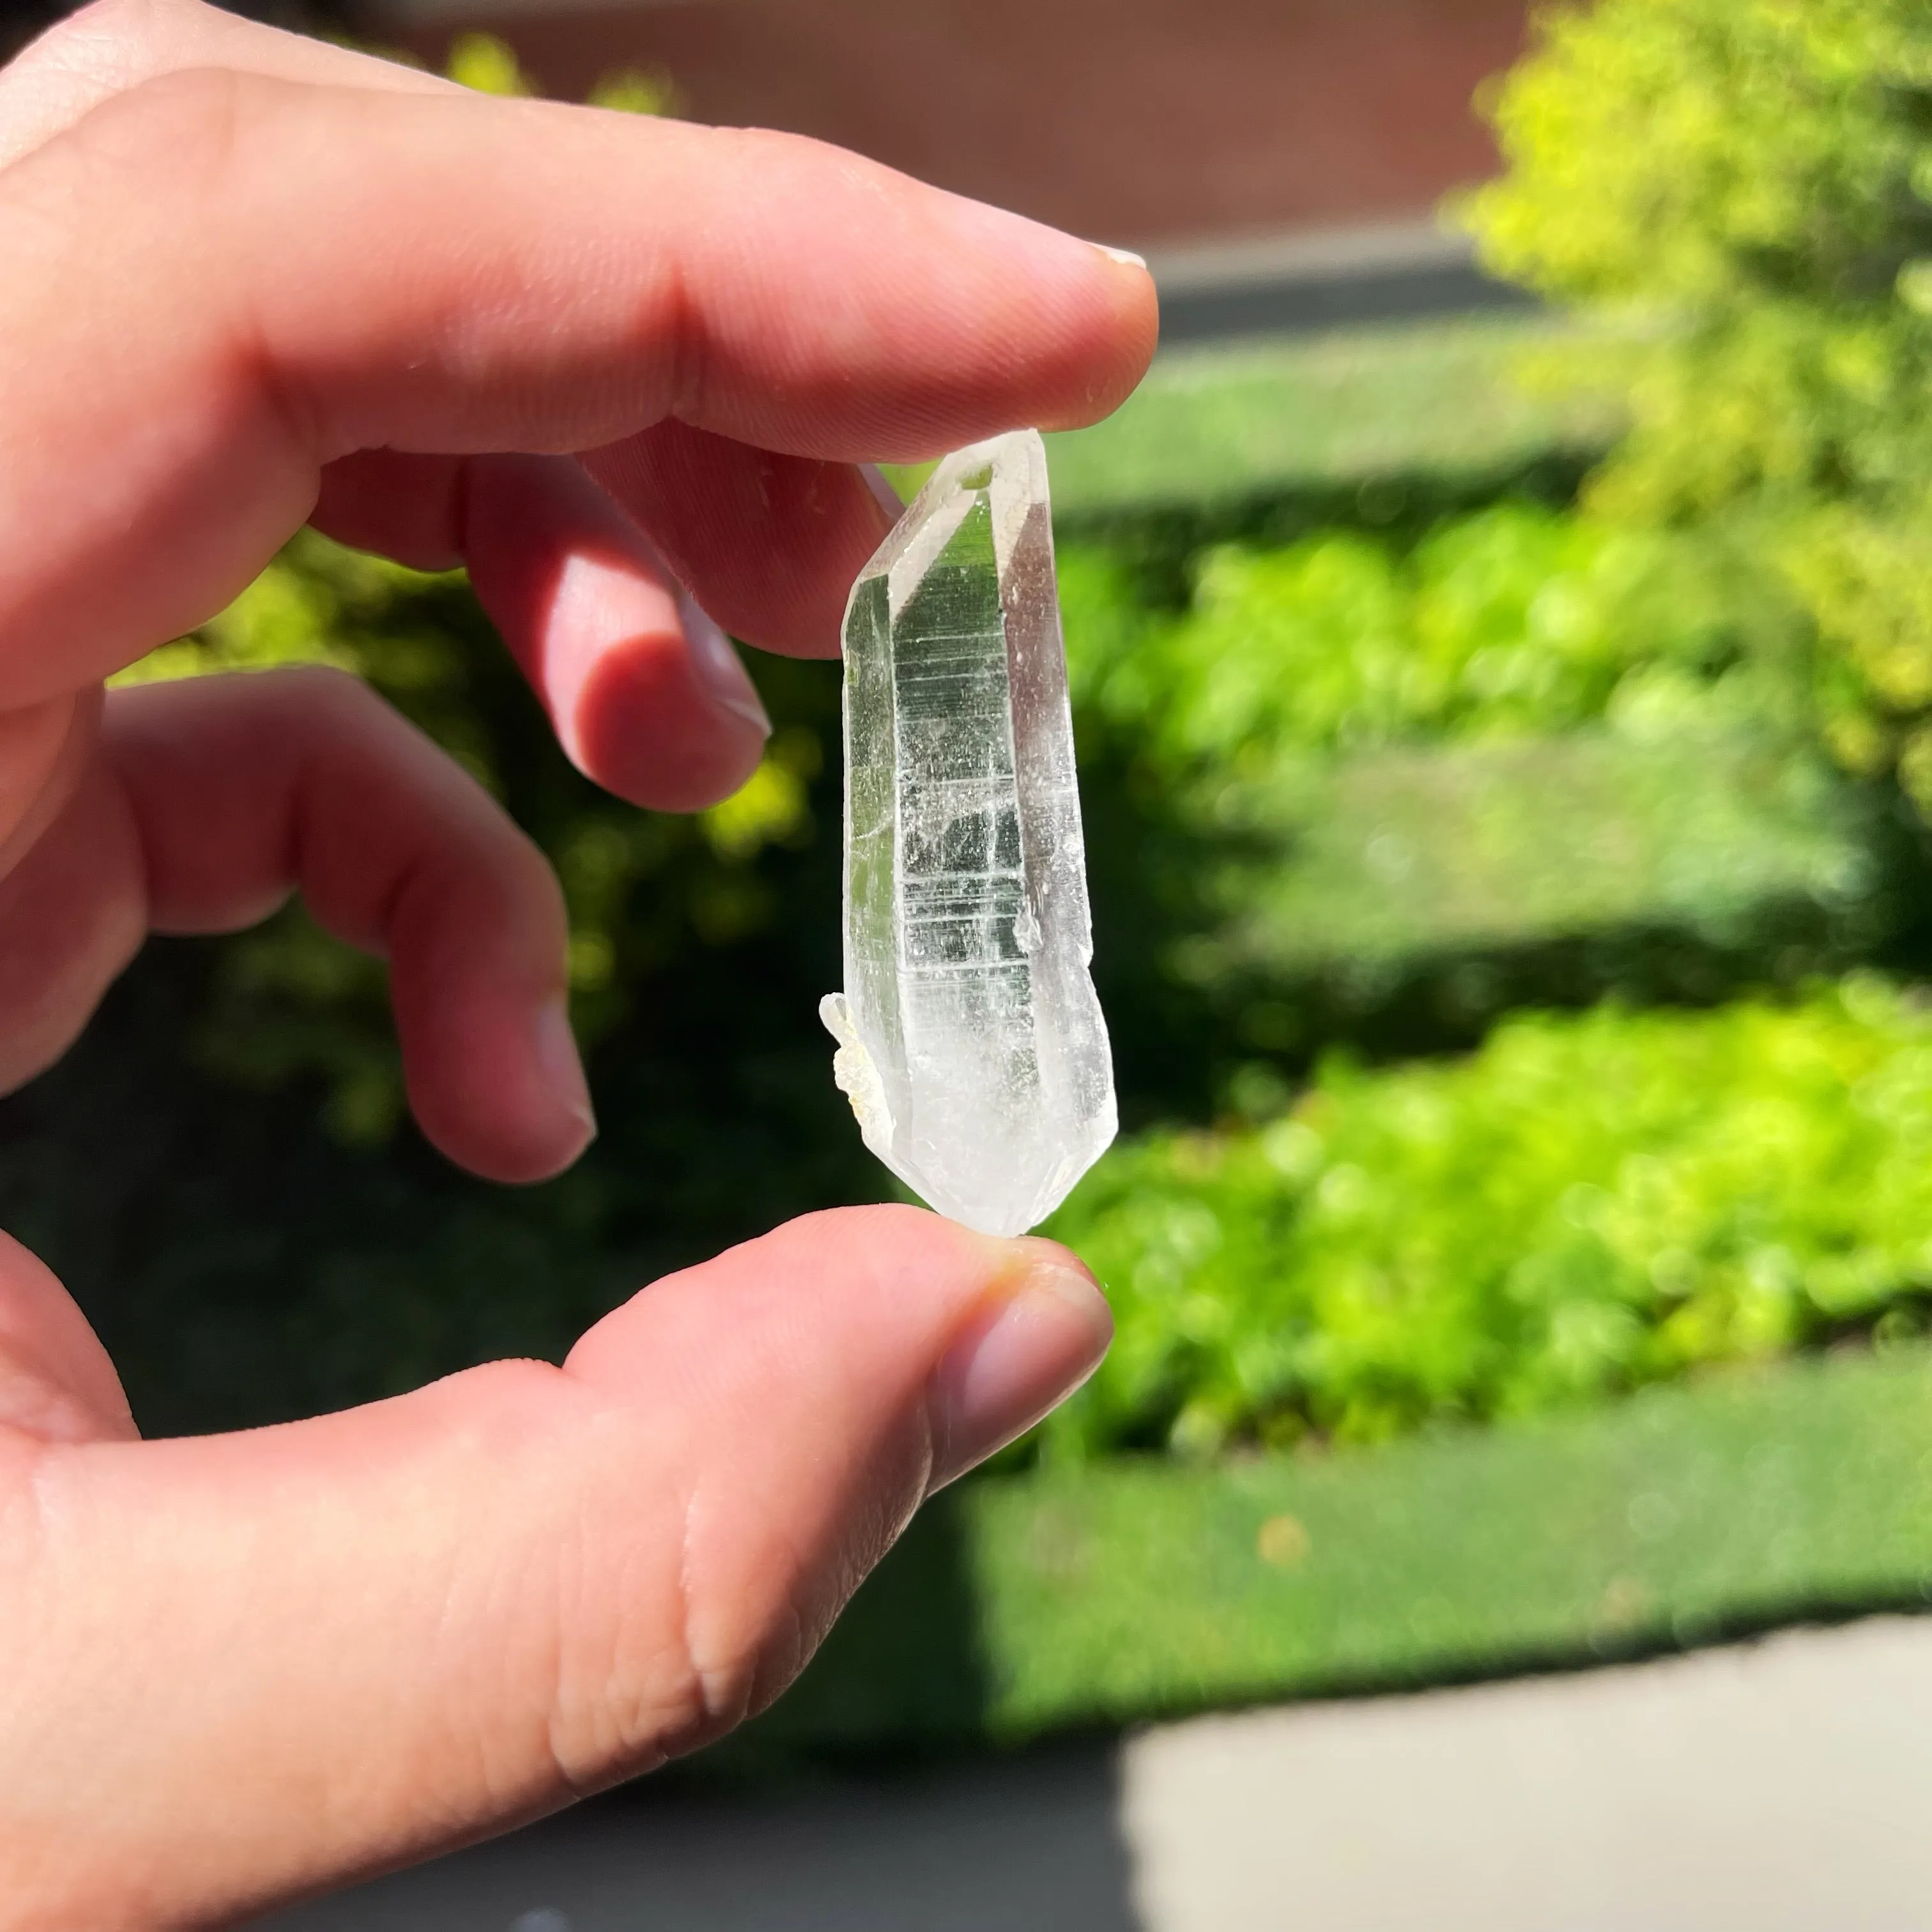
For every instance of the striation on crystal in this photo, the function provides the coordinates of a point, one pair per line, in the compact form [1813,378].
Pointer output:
[970,1040]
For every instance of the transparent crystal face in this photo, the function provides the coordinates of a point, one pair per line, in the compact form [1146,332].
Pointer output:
[971,1042]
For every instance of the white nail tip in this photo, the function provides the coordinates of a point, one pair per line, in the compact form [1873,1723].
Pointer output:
[722,671]
[888,499]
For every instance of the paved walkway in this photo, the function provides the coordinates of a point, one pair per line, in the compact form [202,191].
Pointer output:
[1781,1787]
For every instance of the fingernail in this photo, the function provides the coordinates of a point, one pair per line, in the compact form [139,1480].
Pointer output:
[888,499]
[1125,256]
[1043,1335]
[562,1065]
[719,667]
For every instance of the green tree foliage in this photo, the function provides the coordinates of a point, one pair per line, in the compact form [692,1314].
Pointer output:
[1740,194]
[1747,185]
[1590,1203]
[490,65]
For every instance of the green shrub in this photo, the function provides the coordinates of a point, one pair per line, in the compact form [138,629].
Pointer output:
[1748,183]
[1512,620]
[1589,1203]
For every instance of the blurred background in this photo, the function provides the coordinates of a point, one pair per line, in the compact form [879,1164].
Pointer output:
[1501,635]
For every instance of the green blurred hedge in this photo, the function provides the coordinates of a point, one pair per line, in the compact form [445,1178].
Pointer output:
[1516,618]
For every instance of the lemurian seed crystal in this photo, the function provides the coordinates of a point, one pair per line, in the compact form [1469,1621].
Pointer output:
[970,1040]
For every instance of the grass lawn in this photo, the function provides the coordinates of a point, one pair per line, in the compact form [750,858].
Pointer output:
[1233,422]
[1225,422]
[1018,1606]
[1393,856]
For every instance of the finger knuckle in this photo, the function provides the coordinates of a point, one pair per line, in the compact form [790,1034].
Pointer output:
[662,1666]
[125,175]
[171,126]
[326,690]
[646,1703]
[158,155]
[128,26]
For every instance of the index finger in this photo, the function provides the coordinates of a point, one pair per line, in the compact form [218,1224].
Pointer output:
[219,282]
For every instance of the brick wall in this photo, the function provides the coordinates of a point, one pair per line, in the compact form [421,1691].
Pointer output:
[1141,122]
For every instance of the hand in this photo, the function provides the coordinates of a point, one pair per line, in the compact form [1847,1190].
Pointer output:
[251,281]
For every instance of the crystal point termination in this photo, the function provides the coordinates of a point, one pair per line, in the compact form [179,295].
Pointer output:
[971,1043]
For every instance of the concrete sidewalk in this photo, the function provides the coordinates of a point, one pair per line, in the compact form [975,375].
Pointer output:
[1780,1786]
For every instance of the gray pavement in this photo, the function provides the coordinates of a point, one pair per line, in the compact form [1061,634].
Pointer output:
[1784,1786]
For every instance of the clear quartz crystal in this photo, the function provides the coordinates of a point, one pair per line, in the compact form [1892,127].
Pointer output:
[971,1042]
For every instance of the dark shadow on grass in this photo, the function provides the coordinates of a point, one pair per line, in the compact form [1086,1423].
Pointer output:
[1161,540]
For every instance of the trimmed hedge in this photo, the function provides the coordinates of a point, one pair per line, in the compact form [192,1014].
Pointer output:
[1512,620]
[1590,1203]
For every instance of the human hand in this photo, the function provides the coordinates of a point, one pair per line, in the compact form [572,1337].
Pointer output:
[252,280]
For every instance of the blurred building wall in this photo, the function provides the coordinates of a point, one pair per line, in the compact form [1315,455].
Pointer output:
[1153,123]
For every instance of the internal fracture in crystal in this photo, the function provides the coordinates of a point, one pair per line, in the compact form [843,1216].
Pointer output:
[970,1040]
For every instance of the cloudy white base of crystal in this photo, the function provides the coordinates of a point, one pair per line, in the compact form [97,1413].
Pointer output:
[970,1040]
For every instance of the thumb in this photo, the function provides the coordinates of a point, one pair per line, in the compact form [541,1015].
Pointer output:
[247,1666]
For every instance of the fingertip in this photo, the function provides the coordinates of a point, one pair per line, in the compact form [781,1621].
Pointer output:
[531,1122]
[646,694]
[720,669]
[1125,334]
[664,725]
[494,1076]
[560,1065]
[1040,1330]
[984,1335]
[1043,1255]
[1086,316]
